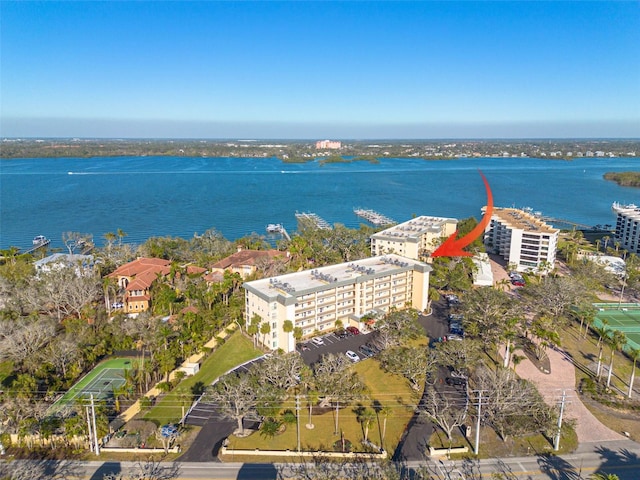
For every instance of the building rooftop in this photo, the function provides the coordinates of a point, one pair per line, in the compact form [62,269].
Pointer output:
[307,281]
[631,210]
[415,228]
[141,265]
[522,220]
[247,257]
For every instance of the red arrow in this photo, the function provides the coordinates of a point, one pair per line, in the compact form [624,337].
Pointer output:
[452,247]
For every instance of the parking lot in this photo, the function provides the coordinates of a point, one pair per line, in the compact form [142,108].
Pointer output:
[332,343]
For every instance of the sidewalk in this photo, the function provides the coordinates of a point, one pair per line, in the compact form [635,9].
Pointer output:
[562,377]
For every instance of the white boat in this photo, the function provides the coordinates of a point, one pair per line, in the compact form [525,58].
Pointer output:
[39,239]
[274,228]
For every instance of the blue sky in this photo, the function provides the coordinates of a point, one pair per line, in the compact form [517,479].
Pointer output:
[320,69]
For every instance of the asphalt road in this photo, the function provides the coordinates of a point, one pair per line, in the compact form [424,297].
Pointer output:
[621,458]
[413,444]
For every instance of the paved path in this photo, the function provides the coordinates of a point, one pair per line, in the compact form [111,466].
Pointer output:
[563,377]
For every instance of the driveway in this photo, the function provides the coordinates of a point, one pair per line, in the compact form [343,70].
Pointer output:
[413,444]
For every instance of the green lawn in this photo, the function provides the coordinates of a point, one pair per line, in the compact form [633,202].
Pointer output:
[6,368]
[235,351]
[389,390]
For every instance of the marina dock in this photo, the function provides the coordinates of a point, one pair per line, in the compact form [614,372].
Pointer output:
[313,220]
[374,217]
[278,228]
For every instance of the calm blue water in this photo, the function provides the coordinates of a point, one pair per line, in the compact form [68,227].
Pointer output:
[157,196]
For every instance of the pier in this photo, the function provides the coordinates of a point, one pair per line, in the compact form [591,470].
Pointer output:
[278,228]
[374,217]
[37,246]
[313,220]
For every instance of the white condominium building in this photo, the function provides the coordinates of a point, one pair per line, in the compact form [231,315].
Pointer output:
[414,238]
[315,299]
[522,239]
[627,226]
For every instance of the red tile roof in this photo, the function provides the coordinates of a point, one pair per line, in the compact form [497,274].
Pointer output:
[194,269]
[143,280]
[141,265]
[246,257]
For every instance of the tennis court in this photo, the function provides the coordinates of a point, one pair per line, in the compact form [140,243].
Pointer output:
[624,317]
[100,382]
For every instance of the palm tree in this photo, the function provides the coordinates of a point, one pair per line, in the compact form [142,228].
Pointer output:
[604,476]
[366,416]
[634,353]
[287,327]
[602,333]
[110,237]
[385,411]
[265,329]
[121,234]
[118,392]
[254,327]
[616,341]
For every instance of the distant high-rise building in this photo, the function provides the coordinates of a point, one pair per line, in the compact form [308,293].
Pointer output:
[328,144]
[627,226]
[522,239]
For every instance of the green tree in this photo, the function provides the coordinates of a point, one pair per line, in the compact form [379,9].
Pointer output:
[287,327]
[616,340]
[254,327]
[265,329]
[634,354]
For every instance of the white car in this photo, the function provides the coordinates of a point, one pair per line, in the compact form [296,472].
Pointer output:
[318,341]
[353,356]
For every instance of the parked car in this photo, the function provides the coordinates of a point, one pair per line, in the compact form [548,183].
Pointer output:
[341,333]
[353,330]
[366,351]
[517,283]
[373,347]
[353,356]
[454,337]
[456,381]
[303,347]
[117,305]
[318,341]
[452,300]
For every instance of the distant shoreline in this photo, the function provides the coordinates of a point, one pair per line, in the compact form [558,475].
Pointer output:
[302,152]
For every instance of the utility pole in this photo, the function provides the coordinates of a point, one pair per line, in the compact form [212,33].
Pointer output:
[556,443]
[298,418]
[95,430]
[86,409]
[476,447]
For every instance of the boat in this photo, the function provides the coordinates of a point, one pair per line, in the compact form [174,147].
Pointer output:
[39,239]
[274,228]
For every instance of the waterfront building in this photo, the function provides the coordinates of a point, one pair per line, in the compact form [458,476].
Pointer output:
[522,239]
[315,300]
[627,226]
[328,144]
[413,238]
[246,262]
[81,264]
[136,279]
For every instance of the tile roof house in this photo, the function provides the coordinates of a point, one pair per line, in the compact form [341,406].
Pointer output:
[244,262]
[136,279]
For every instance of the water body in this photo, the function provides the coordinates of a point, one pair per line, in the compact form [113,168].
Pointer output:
[177,196]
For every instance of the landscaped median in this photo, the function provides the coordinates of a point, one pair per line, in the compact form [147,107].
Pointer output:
[389,396]
[236,350]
